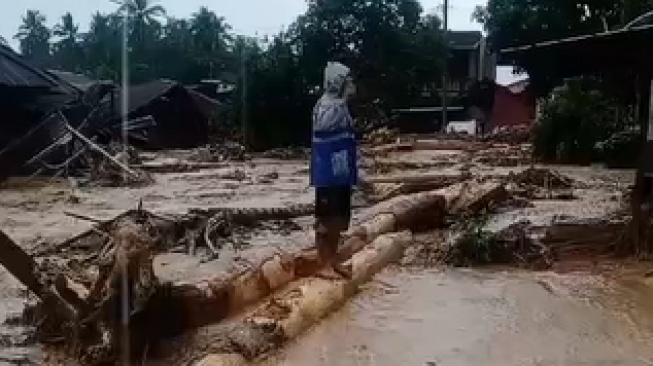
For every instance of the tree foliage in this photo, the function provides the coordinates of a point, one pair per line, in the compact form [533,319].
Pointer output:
[393,48]
[517,22]
[34,37]
[584,112]
[577,121]
[67,51]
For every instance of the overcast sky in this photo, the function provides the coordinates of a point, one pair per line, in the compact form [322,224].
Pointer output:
[249,17]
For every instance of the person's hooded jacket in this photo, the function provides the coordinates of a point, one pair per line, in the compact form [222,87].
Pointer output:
[333,155]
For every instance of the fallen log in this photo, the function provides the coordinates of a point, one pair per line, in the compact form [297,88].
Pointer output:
[384,149]
[406,188]
[470,197]
[24,269]
[304,303]
[445,145]
[437,178]
[191,305]
[218,298]
[179,166]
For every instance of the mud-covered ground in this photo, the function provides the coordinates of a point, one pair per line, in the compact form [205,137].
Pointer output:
[409,315]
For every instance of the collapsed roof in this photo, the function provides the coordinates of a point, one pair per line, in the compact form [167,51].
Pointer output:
[40,108]
[182,116]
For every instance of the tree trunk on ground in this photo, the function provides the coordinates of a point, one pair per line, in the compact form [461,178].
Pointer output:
[304,303]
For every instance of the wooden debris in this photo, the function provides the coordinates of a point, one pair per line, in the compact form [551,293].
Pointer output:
[215,299]
[470,197]
[441,179]
[25,269]
[384,149]
[388,191]
[542,178]
[446,145]
[126,275]
[288,314]
[101,151]
[178,166]
[83,217]
[583,238]
[514,245]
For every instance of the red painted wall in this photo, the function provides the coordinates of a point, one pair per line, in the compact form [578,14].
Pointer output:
[512,109]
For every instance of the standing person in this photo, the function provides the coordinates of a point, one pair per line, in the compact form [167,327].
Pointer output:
[333,163]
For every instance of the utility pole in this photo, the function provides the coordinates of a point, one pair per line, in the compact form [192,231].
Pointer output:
[444,91]
[244,98]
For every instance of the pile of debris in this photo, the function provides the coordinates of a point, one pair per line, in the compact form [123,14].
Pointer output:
[544,178]
[573,239]
[382,136]
[118,171]
[81,282]
[51,125]
[514,245]
[505,156]
[287,153]
[540,183]
[222,152]
[518,134]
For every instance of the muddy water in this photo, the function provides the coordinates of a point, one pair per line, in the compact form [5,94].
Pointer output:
[465,317]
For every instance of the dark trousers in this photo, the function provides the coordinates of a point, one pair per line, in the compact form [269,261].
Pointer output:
[332,216]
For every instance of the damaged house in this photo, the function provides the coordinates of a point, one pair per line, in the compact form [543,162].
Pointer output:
[52,126]
[181,115]
[29,97]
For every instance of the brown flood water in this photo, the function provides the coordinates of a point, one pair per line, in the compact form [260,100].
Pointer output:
[472,317]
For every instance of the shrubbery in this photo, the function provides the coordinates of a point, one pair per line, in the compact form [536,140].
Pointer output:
[579,124]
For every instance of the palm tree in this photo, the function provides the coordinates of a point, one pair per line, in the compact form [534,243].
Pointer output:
[34,36]
[67,29]
[141,10]
[102,46]
[142,15]
[67,50]
[210,39]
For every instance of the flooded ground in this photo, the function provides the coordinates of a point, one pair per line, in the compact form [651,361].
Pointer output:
[407,316]
[483,317]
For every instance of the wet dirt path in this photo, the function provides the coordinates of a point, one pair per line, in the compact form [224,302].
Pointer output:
[472,317]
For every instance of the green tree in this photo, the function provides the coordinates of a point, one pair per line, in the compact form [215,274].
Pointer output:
[211,43]
[517,22]
[575,118]
[102,45]
[378,39]
[173,52]
[67,52]
[34,37]
[144,34]
[143,17]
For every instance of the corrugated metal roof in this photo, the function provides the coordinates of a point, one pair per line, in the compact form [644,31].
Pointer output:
[16,71]
[78,81]
[622,49]
[142,94]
